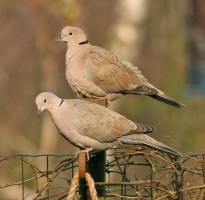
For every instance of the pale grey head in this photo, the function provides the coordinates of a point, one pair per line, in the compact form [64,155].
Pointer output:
[73,35]
[47,101]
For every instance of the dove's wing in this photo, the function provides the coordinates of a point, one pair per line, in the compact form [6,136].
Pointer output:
[113,74]
[104,125]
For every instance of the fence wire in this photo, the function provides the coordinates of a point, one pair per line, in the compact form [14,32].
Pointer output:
[138,173]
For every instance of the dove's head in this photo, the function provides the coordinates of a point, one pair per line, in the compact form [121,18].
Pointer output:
[47,101]
[73,35]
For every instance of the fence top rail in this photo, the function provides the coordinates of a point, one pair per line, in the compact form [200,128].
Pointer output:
[36,155]
[72,155]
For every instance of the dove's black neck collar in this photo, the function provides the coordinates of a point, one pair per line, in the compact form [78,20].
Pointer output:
[61,102]
[83,42]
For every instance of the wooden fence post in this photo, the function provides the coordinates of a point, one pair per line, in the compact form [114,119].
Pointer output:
[95,166]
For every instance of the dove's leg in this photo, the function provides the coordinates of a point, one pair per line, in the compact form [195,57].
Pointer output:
[87,151]
[110,96]
[102,98]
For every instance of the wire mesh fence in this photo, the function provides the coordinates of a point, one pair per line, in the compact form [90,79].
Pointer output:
[138,173]
[35,176]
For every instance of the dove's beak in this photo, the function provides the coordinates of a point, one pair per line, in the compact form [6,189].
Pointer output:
[39,112]
[59,39]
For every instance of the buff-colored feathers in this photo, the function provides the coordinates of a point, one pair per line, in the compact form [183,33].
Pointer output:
[86,124]
[94,72]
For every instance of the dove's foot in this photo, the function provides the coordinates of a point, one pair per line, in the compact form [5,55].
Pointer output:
[110,96]
[87,151]
[101,98]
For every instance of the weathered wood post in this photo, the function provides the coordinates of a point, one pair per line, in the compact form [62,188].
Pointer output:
[82,168]
[95,166]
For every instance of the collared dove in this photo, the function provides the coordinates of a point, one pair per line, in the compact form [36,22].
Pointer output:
[89,125]
[97,73]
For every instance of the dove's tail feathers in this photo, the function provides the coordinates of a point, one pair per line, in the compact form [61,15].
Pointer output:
[142,128]
[168,100]
[153,92]
[145,140]
[164,149]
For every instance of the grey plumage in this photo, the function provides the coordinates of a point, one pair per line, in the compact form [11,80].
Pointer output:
[86,124]
[96,73]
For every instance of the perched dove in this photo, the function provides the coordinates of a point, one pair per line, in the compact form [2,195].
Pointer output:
[96,73]
[91,126]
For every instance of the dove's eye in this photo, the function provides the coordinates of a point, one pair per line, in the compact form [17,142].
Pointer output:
[70,33]
[44,100]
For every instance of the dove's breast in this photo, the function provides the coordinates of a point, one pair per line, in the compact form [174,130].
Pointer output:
[78,81]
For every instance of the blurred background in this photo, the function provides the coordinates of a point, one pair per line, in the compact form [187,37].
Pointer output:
[165,39]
